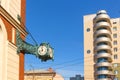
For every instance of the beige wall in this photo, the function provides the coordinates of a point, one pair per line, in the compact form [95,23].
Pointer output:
[39,76]
[58,77]
[9,59]
[12,62]
[42,75]
[1,51]
[88,45]
[3,39]
[48,76]
[13,7]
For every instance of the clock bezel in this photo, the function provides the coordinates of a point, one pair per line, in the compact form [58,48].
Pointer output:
[42,53]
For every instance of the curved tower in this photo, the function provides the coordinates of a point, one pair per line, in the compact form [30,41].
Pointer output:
[102,46]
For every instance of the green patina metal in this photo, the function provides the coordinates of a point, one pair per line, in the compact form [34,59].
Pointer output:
[28,48]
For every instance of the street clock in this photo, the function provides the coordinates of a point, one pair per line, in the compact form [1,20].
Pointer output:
[44,51]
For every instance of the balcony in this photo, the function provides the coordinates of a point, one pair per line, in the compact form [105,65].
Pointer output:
[102,17]
[102,24]
[102,47]
[103,72]
[107,64]
[103,55]
[103,39]
[102,31]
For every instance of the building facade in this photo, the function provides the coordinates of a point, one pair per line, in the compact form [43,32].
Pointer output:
[42,75]
[11,64]
[58,77]
[77,77]
[101,46]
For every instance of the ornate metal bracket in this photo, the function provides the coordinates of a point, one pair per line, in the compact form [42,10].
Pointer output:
[43,51]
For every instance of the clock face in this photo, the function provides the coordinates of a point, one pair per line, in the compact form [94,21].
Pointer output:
[42,50]
[51,52]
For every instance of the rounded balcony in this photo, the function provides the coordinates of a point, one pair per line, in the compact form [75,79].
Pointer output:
[101,43]
[102,39]
[107,64]
[101,12]
[103,55]
[102,31]
[109,51]
[101,17]
[102,24]
[103,72]
[102,47]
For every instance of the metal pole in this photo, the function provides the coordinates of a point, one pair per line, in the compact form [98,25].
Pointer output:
[33,70]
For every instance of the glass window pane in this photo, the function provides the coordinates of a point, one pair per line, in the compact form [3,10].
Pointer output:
[115,72]
[114,22]
[115,65]
[115,49]
[114,35]
[115,56]
[115,42]
[114,28]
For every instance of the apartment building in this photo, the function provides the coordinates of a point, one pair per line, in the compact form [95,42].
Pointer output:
[101,47]
[77,77]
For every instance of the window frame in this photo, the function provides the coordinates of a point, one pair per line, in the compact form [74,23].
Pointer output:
[115,35]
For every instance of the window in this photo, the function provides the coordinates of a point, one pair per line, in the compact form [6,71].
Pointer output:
[114,35]
[88,51]
[115,65]
[116,78]
[102,60]
[114,22]
[88,29]
[114,28]
[101,76]
[116,72]
[115,49]
[115,42]
[115,56]
[102,68]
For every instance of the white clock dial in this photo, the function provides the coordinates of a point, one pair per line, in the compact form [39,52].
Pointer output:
[42,50]
[51,52]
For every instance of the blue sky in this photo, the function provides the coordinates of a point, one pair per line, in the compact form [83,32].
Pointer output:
[60,22]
